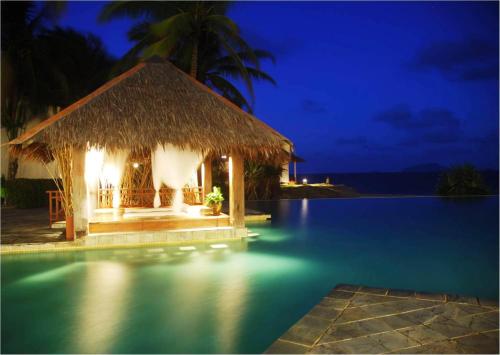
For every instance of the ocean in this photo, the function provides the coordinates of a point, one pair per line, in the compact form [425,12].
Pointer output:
[394,183]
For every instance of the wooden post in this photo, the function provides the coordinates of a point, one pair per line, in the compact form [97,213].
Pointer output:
[295,171]
[206,176]
[79,195]
[236,191]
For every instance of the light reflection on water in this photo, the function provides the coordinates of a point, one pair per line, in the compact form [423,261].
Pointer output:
[240,298]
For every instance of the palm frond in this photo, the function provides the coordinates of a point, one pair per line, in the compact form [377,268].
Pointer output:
[229,91]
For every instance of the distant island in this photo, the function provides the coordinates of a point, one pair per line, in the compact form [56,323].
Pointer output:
[425,168]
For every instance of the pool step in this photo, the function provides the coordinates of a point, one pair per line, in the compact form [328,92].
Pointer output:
[253,235]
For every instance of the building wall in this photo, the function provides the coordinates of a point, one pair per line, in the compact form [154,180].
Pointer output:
[27,169]
[285,174]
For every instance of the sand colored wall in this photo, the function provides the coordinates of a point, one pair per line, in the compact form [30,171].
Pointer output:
[27,169]
[285,174]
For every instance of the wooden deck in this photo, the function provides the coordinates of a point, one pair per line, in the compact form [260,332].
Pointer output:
[134,222]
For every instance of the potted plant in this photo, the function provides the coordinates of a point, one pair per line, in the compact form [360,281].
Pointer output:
[214,199]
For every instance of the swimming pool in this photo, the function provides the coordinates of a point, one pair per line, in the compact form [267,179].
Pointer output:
[241,298]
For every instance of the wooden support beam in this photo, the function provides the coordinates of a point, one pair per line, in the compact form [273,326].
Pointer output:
[79,194]
[206,176]
[236,191]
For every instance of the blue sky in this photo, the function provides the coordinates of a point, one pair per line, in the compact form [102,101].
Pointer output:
[366,86]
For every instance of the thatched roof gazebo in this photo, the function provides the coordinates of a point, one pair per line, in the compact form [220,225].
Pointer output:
[150,106]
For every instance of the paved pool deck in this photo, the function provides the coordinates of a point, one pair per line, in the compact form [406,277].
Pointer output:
[20,226]
[355,319]
[28,226]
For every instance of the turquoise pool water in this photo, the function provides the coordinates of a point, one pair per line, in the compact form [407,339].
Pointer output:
[241,298]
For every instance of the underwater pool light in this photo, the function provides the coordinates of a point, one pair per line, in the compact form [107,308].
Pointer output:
[218,246]
[187,248]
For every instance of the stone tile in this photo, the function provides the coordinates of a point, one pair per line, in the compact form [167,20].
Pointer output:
[341,295]
[461,299]
[381,309]
[401,293]
[360,299]
[422,316]
[488,302]
[329,313]
[472,309]
[422,334]
[393,340]
[430,296]
[373,290]
[480,322]
[354,330]
[363,345]
[344,287]
[306,331]
[412,350]
[353,314]
[454,310]
[285,347]
[397,322]
[406,305]
[492,334]
[393,308]
[441,347]
[333,303]
[449,328]
[478,344]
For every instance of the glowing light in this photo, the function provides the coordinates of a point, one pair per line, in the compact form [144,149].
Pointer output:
[304,181]
[173,167]
[135,165]
[93,164]
[189,248]
[194,211]
[224,157]
[112,172]
[218,246]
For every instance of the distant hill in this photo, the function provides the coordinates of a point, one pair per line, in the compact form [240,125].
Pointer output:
[425,168]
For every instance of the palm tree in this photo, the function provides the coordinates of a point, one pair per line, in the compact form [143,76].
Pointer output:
[72,65]
[198,38]
[21,21]
[462,180]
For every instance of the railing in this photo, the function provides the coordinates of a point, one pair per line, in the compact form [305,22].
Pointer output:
[145,197]
[129,198]
[56,210]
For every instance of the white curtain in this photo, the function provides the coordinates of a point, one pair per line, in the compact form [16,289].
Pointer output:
[173,167]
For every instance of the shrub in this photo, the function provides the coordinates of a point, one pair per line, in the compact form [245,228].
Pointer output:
[462,180]
[28,193]
[215,197]
[262,181]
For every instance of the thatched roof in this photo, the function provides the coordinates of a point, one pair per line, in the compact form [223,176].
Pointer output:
[156,103]
[295,158]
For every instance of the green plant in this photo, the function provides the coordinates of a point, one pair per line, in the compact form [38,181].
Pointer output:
[215,197]
[28,193]
[3,190]
[262,181]
[462,180]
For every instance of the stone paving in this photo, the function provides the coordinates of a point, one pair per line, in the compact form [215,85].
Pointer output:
[365,320]
[28,226]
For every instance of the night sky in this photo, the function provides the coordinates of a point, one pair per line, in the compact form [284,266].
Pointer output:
[377,86]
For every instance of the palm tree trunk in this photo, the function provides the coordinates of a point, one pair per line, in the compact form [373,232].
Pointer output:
[13,166]
[194,60]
